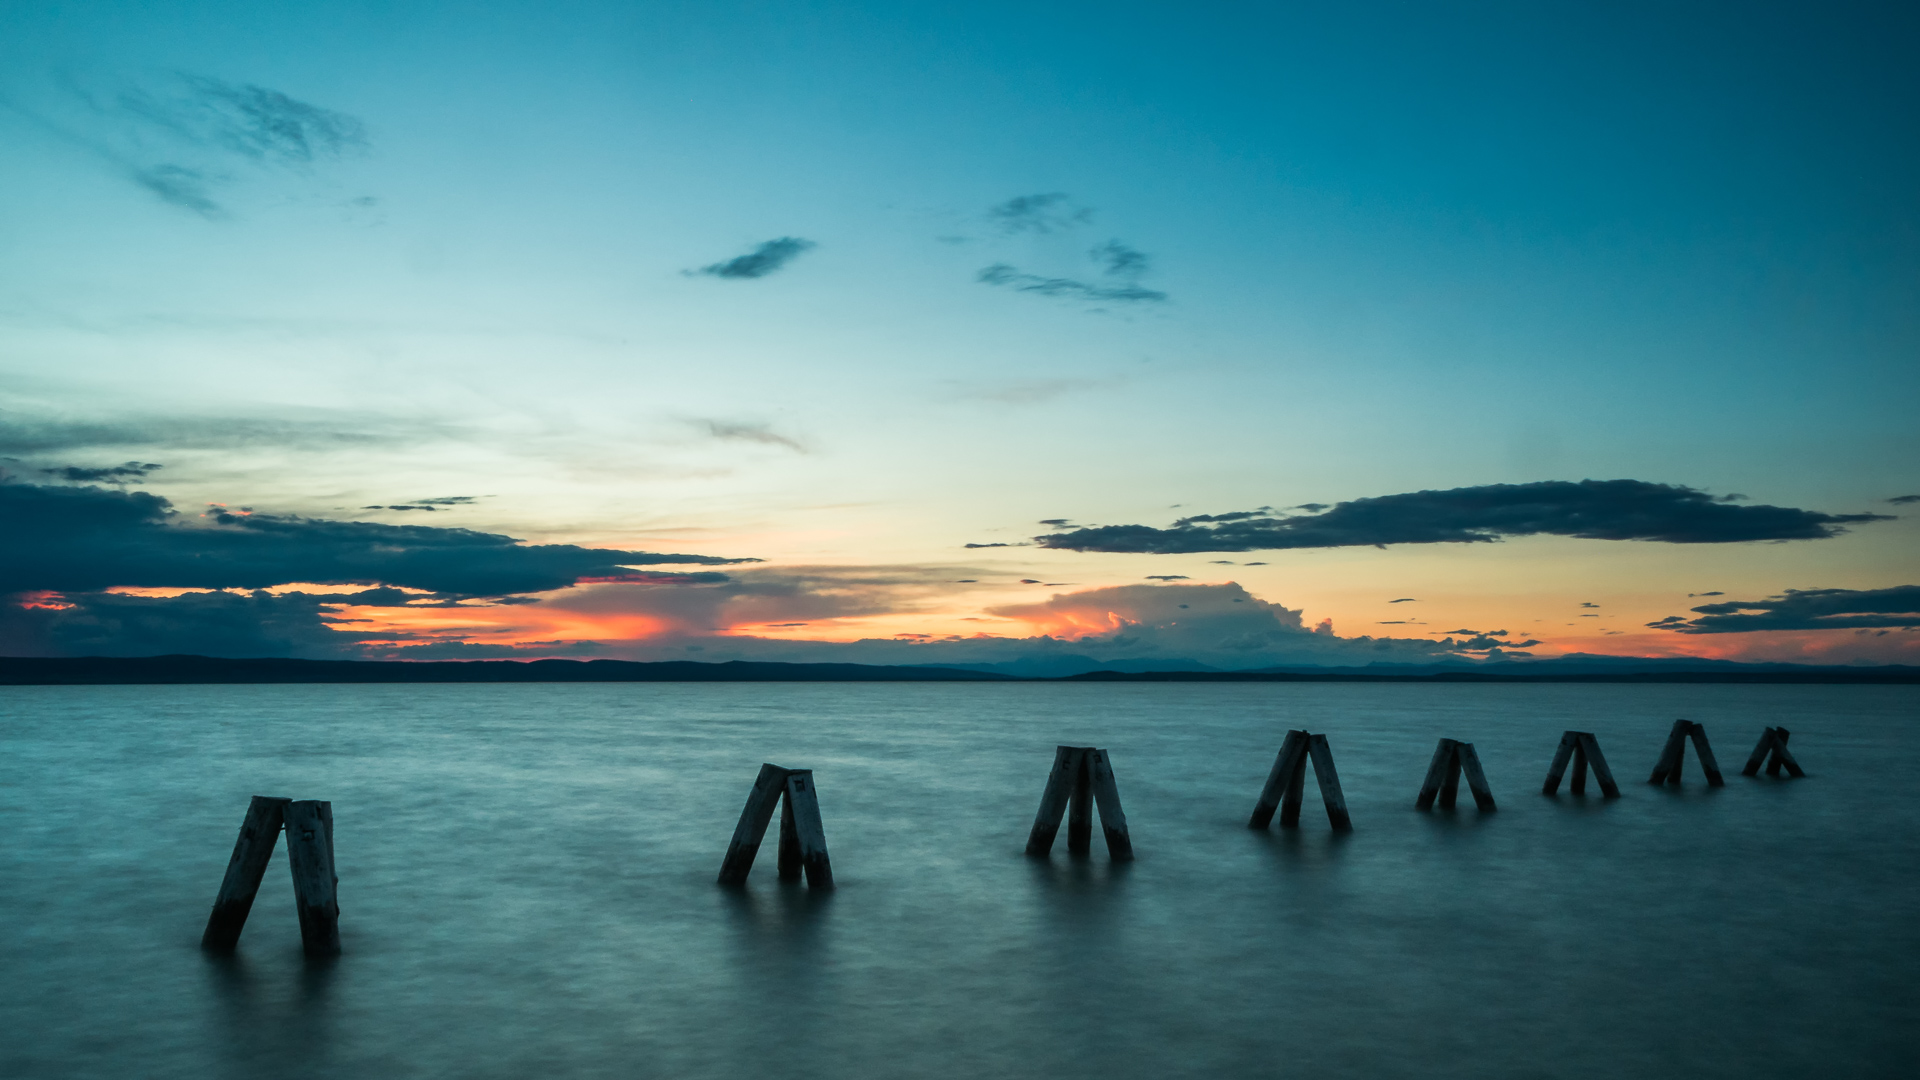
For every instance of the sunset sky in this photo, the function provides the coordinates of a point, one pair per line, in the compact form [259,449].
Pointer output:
[1228,334]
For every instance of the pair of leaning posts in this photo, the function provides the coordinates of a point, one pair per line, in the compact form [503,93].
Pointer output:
[1081,781]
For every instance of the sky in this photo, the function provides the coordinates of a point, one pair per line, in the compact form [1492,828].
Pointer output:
[1229,335]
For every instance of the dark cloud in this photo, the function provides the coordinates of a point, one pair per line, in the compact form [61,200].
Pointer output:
[1592,509]
[1715,592]
[1046,213]
[991,545]
[1404,600]
[1066,288]
[1167,577]
[1902,500]
[761,261]
[132,470]
[1583,603]
[1054,523]
[38,435]
[449,500]
[67,539]
[1118,260]
[749,431]
[237,624]
[1805,609]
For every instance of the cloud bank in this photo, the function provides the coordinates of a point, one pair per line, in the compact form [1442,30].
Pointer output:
[1591,509]
[83,539]
[1805,609]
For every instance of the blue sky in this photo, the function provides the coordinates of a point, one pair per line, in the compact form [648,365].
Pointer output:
[1400,250]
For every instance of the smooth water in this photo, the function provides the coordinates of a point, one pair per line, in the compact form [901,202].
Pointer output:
[526,878]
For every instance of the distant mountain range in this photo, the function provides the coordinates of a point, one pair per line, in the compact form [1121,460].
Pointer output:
[101,670]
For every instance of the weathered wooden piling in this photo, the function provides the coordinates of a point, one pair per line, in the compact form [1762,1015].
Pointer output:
[1772,750]
[1673,755]
[1583,750]
[803,839]
[1286,784]
[259,833]
[309,827]
[1450,759]
[1083,777]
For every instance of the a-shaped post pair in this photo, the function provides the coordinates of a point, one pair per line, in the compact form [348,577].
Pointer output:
[1081,777]
[1288,780]
[1773,743]
[1451,759]
[1583,750]
[803,840]
[1674,755]
[309,828]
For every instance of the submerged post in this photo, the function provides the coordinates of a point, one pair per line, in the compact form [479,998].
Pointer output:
[259,832]
[1451,759]
[1286,784]
[1583,750]
[1673,755]
[803,839]
[1772,750]
[310,849]
[1082,776]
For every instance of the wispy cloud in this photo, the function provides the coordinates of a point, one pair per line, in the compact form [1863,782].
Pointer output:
[1049,212]
[251,121]
[1013,278]
[749,431]
[765,259]
[1903,500]
[1591,509]
[112,474]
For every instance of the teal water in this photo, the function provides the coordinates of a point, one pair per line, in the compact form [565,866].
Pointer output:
[526,881]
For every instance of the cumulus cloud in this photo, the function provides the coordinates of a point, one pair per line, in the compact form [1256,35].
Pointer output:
[1805,609]
[1050,212]
[1592,509]
[87,538]
[765,259]
[234,624]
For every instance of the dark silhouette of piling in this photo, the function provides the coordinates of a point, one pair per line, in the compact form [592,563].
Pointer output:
[1673,755]
[1081,777]
[309,826]
[803,839]
[1286,784]
[1772,750]
[1583,750]
[259,833]
[1450,759]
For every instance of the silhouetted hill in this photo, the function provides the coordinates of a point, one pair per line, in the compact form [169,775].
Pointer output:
[21,671]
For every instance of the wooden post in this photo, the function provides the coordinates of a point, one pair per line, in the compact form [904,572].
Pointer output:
[1698,733]
[1330,792]
[1080,808]
[1667,769]
[309,825]
[767,789]
[1053,802]
[259,832]
[1277,780]
[1781,756]
[1443,758]
[807,828]
[1590,749]
[1476,780]
[1450,784]
[1569,742]
[1578,785]
[791,864]
[1113,822]
[1296,787]
[1759,755]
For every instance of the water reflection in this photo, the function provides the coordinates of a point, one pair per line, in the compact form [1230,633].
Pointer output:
[276,1022]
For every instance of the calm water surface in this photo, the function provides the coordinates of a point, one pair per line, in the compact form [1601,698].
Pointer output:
[526,878]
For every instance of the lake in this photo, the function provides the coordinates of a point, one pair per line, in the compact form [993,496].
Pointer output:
[527,886]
